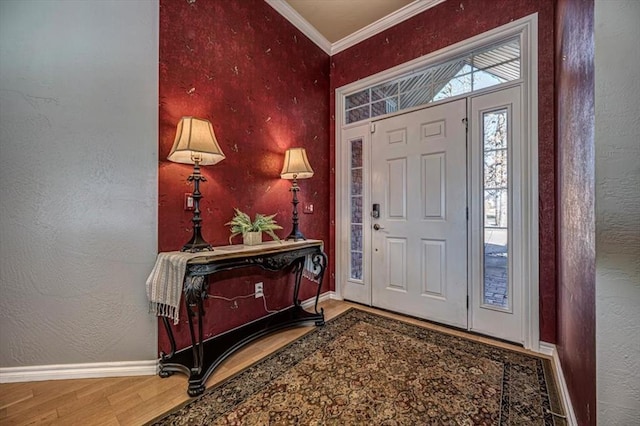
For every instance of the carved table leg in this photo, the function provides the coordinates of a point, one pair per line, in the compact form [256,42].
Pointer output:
[164,357]
[319,259]
[197,362]
[297,270]
[195,389]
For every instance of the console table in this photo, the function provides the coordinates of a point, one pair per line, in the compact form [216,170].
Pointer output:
[200,359]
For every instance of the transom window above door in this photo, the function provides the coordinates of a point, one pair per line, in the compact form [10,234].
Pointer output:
[479,69]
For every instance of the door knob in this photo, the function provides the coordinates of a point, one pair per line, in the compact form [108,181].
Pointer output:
[377,227]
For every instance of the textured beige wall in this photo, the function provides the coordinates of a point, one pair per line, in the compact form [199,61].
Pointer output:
[78,180]
[617,61]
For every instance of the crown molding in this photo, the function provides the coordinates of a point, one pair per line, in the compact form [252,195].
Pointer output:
[290,14]
[400,15]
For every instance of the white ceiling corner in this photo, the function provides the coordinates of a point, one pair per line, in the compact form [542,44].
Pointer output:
[291,15]
[400,15]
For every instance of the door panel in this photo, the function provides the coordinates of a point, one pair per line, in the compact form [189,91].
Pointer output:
[433,179]
[397,190]
[418,170]
[397,264]
[434,254]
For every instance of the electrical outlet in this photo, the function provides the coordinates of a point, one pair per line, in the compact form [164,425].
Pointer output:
[259,290]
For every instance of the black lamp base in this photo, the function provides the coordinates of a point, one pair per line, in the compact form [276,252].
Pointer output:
[196,247]
[296,235]
[197,243]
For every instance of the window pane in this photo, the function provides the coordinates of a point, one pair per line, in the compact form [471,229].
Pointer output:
[415,82]
[356,182]
[417,97]
[495,168]
[495,129]
[496,268]
[358,114]
[356,237]
[356,209]
[384,107]
[355,243]
[386,90]
[454,87]
[502,60]
[496,209]
[356,153]
[356,265]
[357,99]
[447,71]
[486,78]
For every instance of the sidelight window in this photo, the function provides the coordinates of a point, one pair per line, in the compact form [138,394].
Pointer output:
[357,221]
[495,135]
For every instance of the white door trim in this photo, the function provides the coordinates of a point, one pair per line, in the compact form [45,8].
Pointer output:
[527,28]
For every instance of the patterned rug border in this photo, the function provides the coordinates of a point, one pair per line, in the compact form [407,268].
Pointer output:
[424,331]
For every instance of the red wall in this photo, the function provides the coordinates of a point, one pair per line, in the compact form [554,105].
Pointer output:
[576,203]
[448,23]
[265,87]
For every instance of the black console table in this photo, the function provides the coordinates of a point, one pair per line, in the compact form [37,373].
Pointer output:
[203,356]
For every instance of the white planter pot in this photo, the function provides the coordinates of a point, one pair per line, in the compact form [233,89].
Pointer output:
[252,238]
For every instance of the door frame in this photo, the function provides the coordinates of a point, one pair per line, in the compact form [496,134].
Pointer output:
[527,29]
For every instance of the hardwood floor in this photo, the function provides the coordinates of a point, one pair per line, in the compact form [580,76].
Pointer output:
[136,400]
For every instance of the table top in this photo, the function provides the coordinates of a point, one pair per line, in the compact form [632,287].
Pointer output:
[241,250]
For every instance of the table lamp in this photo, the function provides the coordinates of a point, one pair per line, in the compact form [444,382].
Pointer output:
[296,166]
[196,144]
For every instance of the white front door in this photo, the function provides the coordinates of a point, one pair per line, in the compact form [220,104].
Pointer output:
[419,240]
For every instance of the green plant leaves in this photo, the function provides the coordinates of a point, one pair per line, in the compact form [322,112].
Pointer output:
[241,224]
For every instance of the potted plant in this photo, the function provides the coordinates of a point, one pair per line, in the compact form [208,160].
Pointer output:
[252,231]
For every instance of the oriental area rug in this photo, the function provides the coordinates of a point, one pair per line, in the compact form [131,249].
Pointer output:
[366,369]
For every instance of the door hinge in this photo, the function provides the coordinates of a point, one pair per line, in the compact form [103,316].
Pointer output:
[465,121]
[373,127]
[467,212]
[467,301]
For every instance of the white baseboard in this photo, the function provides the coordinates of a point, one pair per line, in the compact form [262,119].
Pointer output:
[549,349]
[329,295]
[335,296]
[38,373]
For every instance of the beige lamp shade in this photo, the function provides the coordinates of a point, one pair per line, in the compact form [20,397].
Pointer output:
[296,165]
[195,140]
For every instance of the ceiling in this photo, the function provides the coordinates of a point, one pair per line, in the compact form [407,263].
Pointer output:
[337,19]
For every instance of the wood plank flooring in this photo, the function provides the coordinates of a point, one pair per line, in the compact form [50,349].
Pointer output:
[136,400]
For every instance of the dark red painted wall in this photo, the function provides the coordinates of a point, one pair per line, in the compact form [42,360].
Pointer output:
[576,203]
[448,23]
[265,87]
